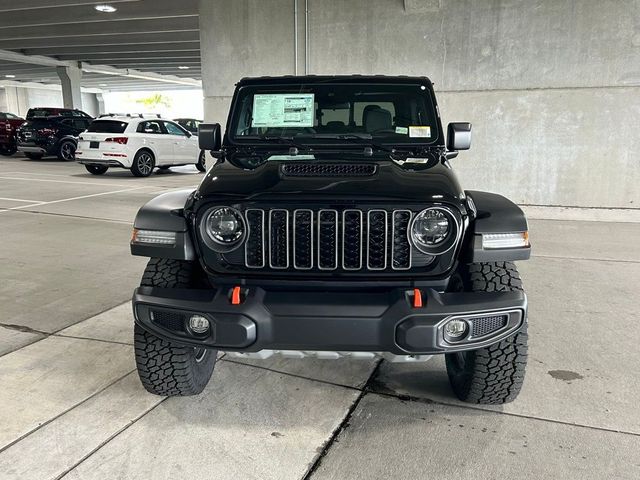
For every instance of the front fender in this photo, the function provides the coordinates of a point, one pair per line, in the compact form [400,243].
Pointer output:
[495,214]
[165,213]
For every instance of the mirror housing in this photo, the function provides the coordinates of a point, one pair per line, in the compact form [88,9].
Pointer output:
[458,136]
[210,136]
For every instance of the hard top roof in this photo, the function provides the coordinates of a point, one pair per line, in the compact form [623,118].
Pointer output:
[307,79]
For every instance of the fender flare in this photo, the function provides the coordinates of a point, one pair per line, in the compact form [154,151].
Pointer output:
[495,214]
[165,213]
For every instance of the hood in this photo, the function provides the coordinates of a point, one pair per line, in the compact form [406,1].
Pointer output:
[389,181]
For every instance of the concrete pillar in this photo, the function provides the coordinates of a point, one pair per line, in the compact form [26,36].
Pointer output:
[17,100]
[242,39]
[100,100]
[300,47]
[70,78]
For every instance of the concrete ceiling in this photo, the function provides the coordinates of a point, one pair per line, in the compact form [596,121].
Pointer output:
[141,37]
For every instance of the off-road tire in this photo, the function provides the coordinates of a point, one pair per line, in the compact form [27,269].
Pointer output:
[165,368]
[202,161]
[96,169]
[67,151]
[33,156]
[491,375]
[143,164]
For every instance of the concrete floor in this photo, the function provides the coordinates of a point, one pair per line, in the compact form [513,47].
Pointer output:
[71,405]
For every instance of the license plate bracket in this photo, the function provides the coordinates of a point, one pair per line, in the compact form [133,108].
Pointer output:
[94,144]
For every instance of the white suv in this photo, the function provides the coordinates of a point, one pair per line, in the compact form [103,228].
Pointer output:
[137,143]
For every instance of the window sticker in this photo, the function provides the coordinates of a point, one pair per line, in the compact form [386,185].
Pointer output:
[283,110]
[420,132]
[402,130]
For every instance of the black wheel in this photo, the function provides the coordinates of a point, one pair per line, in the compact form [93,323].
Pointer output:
[202,161]
[33,156]
[165,368]
[8,150]
[143,164]
[96,169]
[67,151]
[491,375]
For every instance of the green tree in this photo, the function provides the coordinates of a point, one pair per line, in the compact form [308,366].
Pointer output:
[155,100]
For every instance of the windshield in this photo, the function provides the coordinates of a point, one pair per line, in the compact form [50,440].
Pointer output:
[336,113]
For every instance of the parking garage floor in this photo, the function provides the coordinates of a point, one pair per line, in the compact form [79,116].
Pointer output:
[71,405]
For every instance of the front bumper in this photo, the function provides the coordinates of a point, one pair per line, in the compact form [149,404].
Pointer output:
[383,321]
[32,149]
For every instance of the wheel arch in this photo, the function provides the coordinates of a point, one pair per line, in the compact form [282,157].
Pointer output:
[165,213]
[493,213]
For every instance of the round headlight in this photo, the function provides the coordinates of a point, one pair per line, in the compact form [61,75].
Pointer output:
[431,229]
[224,226]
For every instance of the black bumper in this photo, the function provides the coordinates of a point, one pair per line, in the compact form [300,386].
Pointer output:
[383,321]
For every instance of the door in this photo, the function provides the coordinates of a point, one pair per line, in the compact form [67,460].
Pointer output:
[155,135]
[182,144]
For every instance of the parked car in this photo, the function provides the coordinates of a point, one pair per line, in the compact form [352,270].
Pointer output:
[189,124]
[9,124]
[52,131]
[332,226]
[139,144]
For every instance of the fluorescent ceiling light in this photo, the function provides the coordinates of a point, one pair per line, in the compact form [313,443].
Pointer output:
[103,85]
[105,8]
[10,76]
[183,67]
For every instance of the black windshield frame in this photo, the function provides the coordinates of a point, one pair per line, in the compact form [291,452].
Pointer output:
[418,90]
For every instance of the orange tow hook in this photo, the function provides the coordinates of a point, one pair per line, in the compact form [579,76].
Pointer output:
[235,296]
[417,298]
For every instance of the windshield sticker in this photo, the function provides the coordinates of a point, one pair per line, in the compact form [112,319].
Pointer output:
[283,110]
[420,132]
[402,130]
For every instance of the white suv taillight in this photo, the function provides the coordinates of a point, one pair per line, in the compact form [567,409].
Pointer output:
[120,140]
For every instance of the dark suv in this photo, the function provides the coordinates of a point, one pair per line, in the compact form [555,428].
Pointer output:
[52,131]
[332,225]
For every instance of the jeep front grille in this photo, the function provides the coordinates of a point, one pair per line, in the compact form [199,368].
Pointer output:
[329,239]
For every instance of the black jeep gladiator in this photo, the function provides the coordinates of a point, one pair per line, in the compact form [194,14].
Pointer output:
[332,225]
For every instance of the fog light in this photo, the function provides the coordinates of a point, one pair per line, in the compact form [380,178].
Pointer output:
[455,329]
[198,324]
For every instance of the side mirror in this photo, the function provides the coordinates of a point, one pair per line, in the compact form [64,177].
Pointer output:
[458,136]
[210,136]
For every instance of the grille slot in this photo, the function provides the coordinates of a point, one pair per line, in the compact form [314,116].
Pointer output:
[329,169]
[377,239]
[254,246]
[482,326]
[279,238]
[327,240]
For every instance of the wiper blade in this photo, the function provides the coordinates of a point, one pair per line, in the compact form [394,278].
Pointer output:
[367,137]
[282,140]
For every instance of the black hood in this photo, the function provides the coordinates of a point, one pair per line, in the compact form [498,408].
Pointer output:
[432,181]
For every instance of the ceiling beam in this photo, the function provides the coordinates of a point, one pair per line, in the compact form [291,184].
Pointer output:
[189,46]
[137,38]
[189,54]
[43,86]
[10,56]
[132,73]
[107,29]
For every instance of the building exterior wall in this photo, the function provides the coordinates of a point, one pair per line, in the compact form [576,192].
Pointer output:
[551,87]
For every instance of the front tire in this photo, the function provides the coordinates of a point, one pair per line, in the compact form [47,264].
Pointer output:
[492,375]
[8,150]
[96,169]
[165,368]
[143,164]
[202,162]
[67,151]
